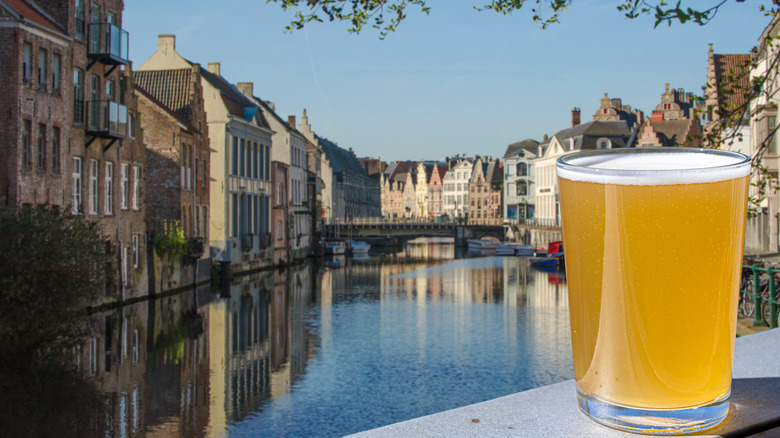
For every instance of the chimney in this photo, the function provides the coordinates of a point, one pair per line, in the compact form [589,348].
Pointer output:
[575,117]
[245,88]
[271,105]
[166,43]
[214,68]
[546,137]
[291,121]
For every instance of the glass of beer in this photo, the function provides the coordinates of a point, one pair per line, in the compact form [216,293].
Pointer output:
[654,240]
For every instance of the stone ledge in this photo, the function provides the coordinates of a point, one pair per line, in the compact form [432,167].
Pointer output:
[551,411]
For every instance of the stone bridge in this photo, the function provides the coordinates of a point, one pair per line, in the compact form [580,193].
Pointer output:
[376,227]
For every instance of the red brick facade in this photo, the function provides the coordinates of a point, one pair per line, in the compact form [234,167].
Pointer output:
[75,146]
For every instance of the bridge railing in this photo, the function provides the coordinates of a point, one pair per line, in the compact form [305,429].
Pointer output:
[536,222]
[489,221]
[385,221]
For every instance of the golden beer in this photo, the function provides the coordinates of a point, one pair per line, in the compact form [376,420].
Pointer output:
[653,261]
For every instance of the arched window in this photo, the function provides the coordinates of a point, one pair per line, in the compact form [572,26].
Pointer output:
[522,188]
[522,169]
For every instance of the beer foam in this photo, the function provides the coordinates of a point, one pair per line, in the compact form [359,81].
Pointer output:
[655,168]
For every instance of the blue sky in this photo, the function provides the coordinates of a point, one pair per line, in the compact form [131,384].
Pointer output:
[455,81]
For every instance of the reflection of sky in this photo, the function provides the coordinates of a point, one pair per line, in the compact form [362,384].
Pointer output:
[460,264]
[396,341]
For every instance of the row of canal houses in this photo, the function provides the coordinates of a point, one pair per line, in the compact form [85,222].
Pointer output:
[168,143]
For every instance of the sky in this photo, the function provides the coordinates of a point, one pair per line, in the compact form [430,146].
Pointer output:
[457,81]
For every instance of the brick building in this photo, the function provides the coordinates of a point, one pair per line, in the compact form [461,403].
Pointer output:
[240,164]
[486,191]
[70,138]
[177,148]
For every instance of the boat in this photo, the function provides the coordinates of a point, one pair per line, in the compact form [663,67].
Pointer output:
[334,247]
[554,256]
[553,260]
[516,249]
[358,247]
[482,244]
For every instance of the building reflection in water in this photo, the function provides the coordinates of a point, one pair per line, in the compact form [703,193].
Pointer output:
[209,363]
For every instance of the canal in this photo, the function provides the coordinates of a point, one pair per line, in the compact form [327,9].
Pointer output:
[325,348]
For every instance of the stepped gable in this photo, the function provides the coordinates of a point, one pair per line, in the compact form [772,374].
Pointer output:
[169,89]
[733,69]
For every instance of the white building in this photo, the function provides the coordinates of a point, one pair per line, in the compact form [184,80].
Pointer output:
[289,147]
[456,189]
[519,187]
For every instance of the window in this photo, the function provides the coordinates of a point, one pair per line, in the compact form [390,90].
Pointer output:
[522,188]
[41,69]
[235,157]
[26,147]
[76,185]
[55,150]
[125,185]
[93,187]
[279,230]
[241,156]
[110,90]
[79,13]
[267,162]
[279,194]
[191,150]
[41,162]
[78,96]
[765,127]
[130,125]
[204,174]
[183,166]
[136,187]
[522,169]
[254,160]
[27,64]
[109,188]
[56,62]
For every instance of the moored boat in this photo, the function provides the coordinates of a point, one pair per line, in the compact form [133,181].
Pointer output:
[334,247]
[482,244]
[516,249]
[358,247]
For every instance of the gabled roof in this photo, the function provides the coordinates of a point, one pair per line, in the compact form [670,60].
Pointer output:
[528,145]
[340,159]
[236,103]
[733,72]
[586,135]
[169,89]
[400,168]
[31,12]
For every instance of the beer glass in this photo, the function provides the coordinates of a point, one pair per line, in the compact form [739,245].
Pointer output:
[654,240]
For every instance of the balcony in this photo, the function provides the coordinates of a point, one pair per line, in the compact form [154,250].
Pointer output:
[108,44]
[106,119]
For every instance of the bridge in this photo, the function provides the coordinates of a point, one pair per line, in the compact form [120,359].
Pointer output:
[368,228]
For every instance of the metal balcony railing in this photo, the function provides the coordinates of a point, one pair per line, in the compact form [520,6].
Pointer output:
[108,44]
[106,119]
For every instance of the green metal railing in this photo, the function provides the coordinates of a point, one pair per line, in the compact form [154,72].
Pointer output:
[760,299]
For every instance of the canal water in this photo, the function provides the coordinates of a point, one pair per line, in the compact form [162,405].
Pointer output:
[326,348]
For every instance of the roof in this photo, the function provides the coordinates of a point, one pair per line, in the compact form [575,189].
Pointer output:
[169,89]
[236,103]
[401,167]
[733,72]
[341,160]
[586,135]
[32,13]
[528,145]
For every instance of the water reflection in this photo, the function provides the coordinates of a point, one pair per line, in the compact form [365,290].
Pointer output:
[327,349]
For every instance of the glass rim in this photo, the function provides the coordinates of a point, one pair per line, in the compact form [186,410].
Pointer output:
[563,161]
